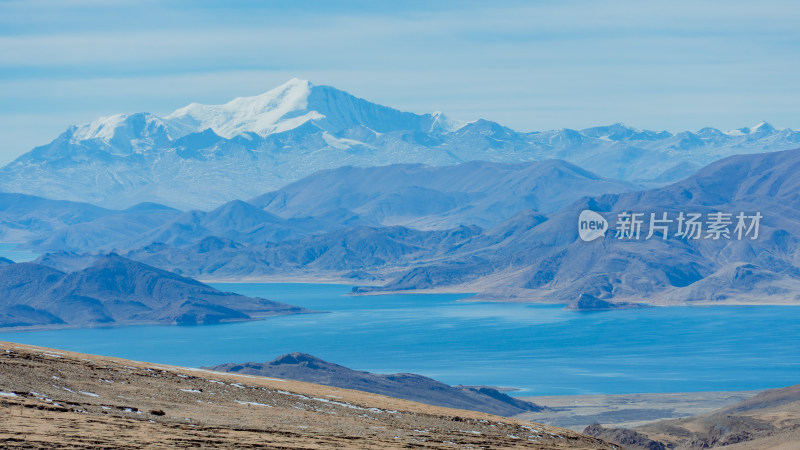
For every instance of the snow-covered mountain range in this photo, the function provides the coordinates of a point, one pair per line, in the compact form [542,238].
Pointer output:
[201,156]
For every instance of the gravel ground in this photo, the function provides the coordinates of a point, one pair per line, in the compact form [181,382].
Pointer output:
[57,399]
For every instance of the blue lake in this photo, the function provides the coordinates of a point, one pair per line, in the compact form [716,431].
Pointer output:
[542,349]
[9,251]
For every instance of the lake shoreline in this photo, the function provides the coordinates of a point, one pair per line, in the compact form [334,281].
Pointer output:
[576,412]
[474,295]
[471,293]
[539,349]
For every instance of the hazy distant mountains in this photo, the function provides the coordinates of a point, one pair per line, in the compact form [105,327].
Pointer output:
[424,197]
[58,225]
[531,256]
[414,196]
[360,253]
[24,216]
[547,261]
[202,156]
[470,227]
[114,290]
[528,255]
[408,386]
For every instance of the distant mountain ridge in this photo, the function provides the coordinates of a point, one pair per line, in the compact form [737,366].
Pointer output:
[536,257]
[547,261]
[439,197]
[357,252]
[43,222]
[414,196]
[201,156]
[530,256]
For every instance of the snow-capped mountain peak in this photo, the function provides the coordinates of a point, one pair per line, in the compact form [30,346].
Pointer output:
[102,128]
[201,156]
[280,109]
[443,123]
[761,127]
[118,126]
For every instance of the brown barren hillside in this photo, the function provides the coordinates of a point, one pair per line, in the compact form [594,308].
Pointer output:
[769,420]
[52,398]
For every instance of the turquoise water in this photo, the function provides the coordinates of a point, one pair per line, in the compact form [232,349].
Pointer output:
[9,251]
[542,349]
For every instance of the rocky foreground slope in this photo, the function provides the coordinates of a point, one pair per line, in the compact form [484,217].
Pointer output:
[55,399]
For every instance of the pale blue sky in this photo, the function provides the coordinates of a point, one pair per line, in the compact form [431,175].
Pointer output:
[530,65]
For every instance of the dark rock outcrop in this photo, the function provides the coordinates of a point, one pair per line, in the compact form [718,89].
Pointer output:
[587,302]
[628,438]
